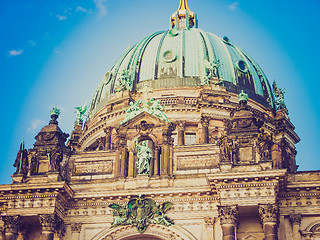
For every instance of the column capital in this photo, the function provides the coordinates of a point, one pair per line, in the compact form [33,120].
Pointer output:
[76,227]
[205,121]
[47,222]
[269,213]
[52,223]
[228,214]
[209,221]
[107,130]
[180,125]
[295,219]
[12,223]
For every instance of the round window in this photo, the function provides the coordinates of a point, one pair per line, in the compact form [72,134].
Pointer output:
[169,56]
[242,66]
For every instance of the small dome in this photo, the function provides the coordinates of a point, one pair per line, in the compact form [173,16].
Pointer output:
[184,57]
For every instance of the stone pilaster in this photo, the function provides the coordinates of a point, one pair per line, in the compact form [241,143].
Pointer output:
[11,226]
[228,216]
[269,215]
[75,230]
[295,220]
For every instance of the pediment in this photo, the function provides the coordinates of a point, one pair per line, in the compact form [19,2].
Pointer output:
[143,117]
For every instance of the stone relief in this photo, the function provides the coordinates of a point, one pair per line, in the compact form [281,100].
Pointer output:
[140,212]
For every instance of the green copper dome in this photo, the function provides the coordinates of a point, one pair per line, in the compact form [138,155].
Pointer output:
[184,56]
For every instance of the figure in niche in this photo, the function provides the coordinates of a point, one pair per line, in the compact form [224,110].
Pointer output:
[55,159]
[21,163]
[32,162]
[225,148]
[264,145]
[144,156]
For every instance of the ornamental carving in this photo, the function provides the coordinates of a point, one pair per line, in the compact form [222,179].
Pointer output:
[228,214]
[141,212]
[269,213]
[144,128]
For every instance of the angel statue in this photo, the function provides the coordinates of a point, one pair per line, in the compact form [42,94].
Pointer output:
[80,113]
[144,155]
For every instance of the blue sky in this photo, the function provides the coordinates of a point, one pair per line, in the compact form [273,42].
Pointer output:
[56,52]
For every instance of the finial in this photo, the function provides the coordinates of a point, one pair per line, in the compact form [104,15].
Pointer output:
[184,5]
[242,97]
[183,18]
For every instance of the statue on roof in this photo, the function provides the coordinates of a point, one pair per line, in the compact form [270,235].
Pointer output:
[21,162]
[151,106]
[124,81]
[279,94]
[80,113]
[212,71]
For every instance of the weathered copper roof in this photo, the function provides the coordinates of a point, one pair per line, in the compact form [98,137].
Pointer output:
[186,57]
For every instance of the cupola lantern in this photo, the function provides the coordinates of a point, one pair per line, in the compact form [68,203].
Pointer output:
[183,18]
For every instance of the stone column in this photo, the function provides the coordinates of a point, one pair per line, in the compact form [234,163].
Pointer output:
[131,163]
[229,221]
[295,220]
[165,159]
[47,222]
[11,225]
[204,131]
[180,137]
[156,161]
[107,131]
[75,229]
[269,215]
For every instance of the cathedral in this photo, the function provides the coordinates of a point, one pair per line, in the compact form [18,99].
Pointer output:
[185,138]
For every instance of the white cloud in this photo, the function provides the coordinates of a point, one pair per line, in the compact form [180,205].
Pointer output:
[56,51]
[15,52]
[61,17]
[32,43]
[234,6]
[35,124]
[82,9]
[102,9]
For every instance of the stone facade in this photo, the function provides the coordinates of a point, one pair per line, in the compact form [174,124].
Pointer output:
[222,166]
